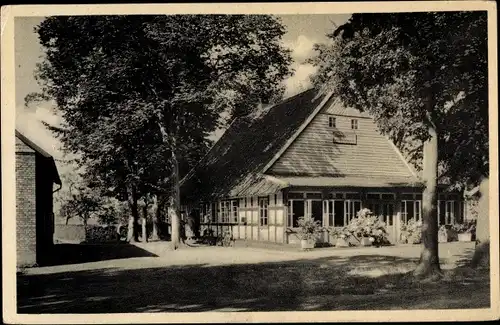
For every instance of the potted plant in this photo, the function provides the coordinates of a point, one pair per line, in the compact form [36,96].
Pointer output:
[307,232]
[368,228]
[466,231]
[341,236]
[411,232]
[446,233]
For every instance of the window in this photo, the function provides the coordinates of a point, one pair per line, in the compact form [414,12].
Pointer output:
[234,211]
[316,196]
[385,211]
[332,122]
[354,124]
[228,211]
[296,210]
[341,211]
[352,208]
[381,196]
[389,196]
[447,211]
[263,203]
[371,196]
[315,210]
[411,209]
[294,195]
[206,213]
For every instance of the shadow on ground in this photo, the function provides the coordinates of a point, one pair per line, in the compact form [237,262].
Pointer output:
[366,282]
[62,254]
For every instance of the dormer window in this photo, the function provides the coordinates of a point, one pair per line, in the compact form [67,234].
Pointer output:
[354,124]
[332,122]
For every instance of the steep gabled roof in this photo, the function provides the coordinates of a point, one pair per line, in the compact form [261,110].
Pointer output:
[241,163]
[234,165]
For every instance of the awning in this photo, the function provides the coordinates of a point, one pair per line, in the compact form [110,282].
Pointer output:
[262,185]
[350,181]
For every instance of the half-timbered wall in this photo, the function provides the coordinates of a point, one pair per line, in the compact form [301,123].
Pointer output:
[259,218]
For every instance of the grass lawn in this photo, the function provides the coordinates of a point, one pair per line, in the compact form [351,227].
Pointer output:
[252,279]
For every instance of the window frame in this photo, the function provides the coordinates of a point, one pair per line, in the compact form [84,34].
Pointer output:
[263,211]
[354,124]
[332,122]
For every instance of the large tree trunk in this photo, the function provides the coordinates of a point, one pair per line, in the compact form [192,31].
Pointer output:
[175,201]
[134,209]
[130,230]
[429,258]
[482,252]
[175,204]
[144,220]
[156,217]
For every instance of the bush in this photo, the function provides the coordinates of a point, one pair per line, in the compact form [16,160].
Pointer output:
[466,227]
[99,234]
[411,232]
[308,228]
[366,225]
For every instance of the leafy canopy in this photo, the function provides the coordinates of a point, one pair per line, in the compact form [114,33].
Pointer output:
[385,63]
[114,79]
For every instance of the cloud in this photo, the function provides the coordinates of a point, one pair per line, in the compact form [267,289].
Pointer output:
[302,49]
[300,80]
[29,122]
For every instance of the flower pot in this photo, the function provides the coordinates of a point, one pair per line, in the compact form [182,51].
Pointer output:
[466,236]
[341,242]
[307,244]
[365,241]
[443,238]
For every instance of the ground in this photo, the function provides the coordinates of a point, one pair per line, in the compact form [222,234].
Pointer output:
[150,278]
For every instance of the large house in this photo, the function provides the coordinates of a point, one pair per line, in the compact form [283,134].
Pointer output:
[308,156]
[36,173]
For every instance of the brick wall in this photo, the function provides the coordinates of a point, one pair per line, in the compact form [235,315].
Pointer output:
[25,208]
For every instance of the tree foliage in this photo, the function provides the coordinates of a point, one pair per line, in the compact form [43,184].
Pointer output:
[383,63]
[139,95]
[423,77]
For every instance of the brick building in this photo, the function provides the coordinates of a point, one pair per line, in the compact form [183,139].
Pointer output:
[36,174]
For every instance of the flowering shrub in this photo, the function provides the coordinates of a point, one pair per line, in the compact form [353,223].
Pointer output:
[308,228]
[411,232]
[366,225]
[343,232]
[466,227]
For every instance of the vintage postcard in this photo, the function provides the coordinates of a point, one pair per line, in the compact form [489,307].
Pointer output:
[250,162]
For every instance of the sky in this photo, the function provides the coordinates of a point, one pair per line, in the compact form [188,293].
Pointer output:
[303,31]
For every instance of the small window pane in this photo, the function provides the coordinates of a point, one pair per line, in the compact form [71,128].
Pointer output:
[336,195]
[354,124]
[314,196]
[353,196]
[298,212]
[332,122]
[372,196]
[295,195]
[388,196]
[407,196]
